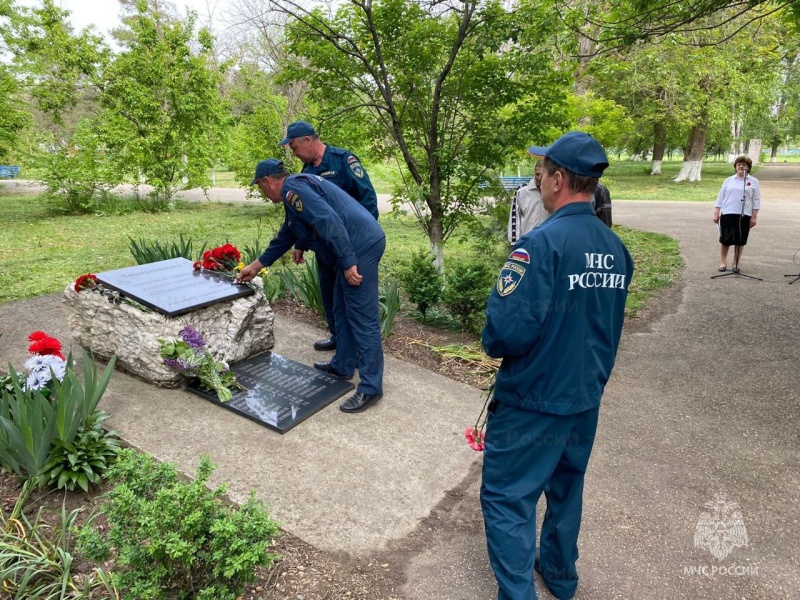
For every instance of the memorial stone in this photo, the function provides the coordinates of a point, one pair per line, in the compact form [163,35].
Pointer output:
[172,287]
[279,392]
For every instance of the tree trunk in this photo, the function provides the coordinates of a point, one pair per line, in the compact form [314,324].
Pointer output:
[659,145]
[773,156]
[693,156]
[436,241]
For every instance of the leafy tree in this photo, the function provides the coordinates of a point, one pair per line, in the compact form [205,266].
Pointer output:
[59,70]
[681,88]
[13,114]
[163,117]
[624,23]
[259,113]
[444,89]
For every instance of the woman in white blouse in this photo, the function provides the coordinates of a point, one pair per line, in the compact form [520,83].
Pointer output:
[736,211]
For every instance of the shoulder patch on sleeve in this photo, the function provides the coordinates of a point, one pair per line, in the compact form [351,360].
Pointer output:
[509,278]
[357,169]
[351,159]
[520,255]
[294,200]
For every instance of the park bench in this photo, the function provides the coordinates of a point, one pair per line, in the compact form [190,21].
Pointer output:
[8,171]
[508,183]
[512,183]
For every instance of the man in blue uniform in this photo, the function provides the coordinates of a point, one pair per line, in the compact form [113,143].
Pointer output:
[343,169]
[323,218]
[555,318]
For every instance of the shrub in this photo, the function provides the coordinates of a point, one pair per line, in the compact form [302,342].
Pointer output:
[422,282]
[178,539]
[469,282]
[78,172]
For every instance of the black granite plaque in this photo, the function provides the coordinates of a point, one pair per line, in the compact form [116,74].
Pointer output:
[172,287]
[280,393]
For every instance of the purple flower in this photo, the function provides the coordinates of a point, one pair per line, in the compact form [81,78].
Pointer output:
[178,364]
[194,338]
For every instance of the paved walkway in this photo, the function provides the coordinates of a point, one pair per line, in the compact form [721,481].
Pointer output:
[703,401]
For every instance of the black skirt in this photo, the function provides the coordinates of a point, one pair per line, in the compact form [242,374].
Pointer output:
[733,230]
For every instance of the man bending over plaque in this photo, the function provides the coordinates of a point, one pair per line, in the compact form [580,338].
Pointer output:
[321,217]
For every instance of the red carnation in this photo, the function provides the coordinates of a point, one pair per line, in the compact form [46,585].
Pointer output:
[231,252]
[197,265]
[37,335]
[85,282]
[48,345]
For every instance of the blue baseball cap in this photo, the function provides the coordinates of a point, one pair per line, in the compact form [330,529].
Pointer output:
[267,167]
[296,130]
[576,151]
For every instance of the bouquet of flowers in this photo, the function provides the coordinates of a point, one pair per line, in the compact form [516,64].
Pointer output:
[45,362]
[476,435]
[89,282]
[190,355]
[226,260]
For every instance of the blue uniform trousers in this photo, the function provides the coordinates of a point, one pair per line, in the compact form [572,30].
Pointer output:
[526,454]
[358,326]
[327,283]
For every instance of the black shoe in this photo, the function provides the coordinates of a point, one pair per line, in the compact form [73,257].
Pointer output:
[557,594]
[326,366]
[329,344]
[359,401]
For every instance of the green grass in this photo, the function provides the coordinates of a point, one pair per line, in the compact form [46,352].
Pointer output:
[632,181]
[657,261]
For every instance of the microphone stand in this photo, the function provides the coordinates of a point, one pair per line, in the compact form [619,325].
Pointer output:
[737,249]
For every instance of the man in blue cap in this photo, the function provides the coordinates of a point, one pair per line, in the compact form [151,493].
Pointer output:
[343,169]
[555,318]
[323,218]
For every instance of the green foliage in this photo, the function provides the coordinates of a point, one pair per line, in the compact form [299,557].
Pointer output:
[447,94]
[145,252]
[13,116]
[422,282]
[35,430]
[36,559]
[78,174]
[259,109]
[178,539]
[163,118]
[27,424]
[303,284]
[389,301]
[83,461]
[602,118]
[274,286]
[252,251]
[468,284]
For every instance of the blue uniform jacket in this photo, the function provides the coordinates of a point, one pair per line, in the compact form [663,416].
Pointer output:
[555,315]
[343,168]
[323,218]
